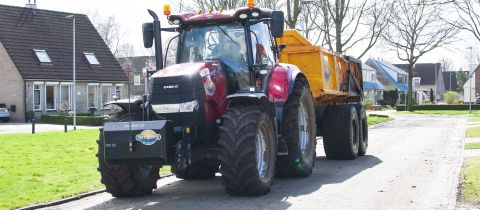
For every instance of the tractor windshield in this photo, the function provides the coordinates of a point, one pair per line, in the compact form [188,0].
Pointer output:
[225,43]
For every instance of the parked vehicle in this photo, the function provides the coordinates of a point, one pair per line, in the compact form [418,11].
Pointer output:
[4,113]
[237,102]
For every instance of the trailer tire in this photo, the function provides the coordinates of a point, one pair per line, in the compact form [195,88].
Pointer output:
[126,181]
[195,171]
[363,137]
[300,139]
[244,134]
[341,132]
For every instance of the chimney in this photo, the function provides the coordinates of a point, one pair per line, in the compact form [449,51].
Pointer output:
[30,5]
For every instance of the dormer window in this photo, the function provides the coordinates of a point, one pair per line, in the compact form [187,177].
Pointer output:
[92,59]
[43,57]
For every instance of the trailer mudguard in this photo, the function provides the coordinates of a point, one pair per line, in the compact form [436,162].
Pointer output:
[137,142]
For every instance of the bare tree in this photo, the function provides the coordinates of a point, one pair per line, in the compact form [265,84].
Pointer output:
[446,64]
[349,23]
[110,31]
[469,14]
[416,28]
[293,12]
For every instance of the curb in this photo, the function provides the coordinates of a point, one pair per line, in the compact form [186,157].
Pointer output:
[62,201]
[70,199]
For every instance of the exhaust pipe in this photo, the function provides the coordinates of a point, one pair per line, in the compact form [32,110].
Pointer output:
[158,40]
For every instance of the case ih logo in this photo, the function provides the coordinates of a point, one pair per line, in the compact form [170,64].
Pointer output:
[170,87]
[148,137]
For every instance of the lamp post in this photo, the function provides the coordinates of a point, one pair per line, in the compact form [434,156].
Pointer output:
[74,74]
[470,77]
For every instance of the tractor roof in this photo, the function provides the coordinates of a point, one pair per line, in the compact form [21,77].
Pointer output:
[219,16]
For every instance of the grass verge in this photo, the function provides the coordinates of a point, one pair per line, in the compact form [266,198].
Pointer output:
[472,145]
[447,112]
[471,180]
[473,132]
[372,120]
[48,166]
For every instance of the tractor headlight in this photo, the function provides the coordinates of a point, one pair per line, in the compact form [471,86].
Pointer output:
[174,108]
[189,106]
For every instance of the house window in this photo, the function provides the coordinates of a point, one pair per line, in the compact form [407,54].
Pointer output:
[136,80]
[92,95]
[66,97]
[37,100]
[50,98]
[416,81]
[92,59]
[43,57]
[118,90]
[106,93]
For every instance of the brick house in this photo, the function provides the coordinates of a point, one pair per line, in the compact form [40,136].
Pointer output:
[36,63]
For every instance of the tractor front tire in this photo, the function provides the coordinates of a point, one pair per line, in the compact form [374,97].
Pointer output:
[341,132]
[195,171]
[299,132]
[126,181]
[247,150]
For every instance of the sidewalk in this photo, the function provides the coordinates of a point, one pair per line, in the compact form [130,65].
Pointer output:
[39,127]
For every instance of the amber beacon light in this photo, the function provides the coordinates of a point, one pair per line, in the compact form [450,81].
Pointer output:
[166,9]
[251,3]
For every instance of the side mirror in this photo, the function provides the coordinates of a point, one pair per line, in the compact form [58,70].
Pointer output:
[277,24]
[148,35]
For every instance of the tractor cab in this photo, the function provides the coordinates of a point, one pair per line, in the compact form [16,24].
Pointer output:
[242,41]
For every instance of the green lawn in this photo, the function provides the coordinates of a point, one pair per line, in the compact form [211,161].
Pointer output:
[48,166]
[375,120]
[472,145]
[473,132]
[448,112]
[474,118]
[471,179]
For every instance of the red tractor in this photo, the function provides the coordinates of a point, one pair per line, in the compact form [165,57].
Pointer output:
[226,106]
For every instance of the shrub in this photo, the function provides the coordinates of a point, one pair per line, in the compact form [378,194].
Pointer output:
[451,97]
[368,102]
[81,120]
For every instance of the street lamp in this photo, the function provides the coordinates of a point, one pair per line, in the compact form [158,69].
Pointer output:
[470,77]
[74,75]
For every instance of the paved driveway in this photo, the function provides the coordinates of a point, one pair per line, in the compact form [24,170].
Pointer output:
[413,162]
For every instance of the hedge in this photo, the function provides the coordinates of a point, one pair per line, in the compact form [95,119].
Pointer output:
[440,107]
[81,120]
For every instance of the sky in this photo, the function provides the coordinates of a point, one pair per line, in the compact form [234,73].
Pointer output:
[132,14]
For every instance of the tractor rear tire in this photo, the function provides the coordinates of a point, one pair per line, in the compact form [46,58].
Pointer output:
[195,171]
[363,137]
[247,150]
[341,132]
[126,181]
[299,132]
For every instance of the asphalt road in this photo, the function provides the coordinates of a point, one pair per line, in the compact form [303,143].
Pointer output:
[413,162]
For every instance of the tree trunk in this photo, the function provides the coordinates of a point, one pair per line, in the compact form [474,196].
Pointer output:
[410,87]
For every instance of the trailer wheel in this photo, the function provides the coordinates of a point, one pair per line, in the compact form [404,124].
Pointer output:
[363,137]
[341,132]
[299,132]
[126,181]
[199,170]
[247,150]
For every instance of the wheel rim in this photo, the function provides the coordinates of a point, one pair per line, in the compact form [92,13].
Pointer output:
[303,133]
[261,148]
[354,133]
